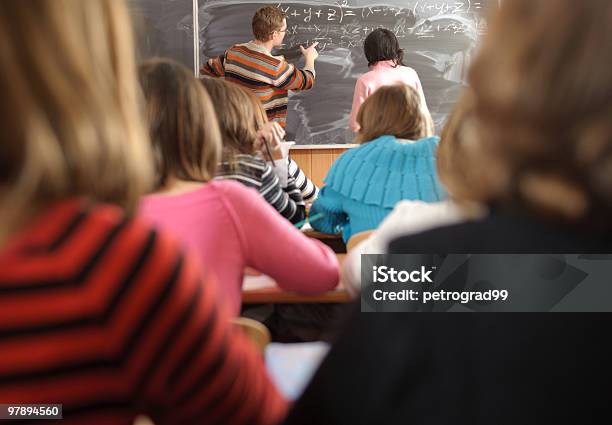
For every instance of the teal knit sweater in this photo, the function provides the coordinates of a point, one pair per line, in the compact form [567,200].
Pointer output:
[364,184]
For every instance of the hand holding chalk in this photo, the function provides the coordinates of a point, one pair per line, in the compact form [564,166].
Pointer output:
[311,52]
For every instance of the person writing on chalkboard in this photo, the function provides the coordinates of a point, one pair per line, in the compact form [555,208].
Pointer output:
[386,63]
[253,66]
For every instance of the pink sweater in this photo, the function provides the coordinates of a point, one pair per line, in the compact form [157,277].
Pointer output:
[232,227]
[383,74]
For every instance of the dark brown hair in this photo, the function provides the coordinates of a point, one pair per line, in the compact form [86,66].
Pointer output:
[182,121]
[395,111]
[267,20]
[382,45]
[543,107]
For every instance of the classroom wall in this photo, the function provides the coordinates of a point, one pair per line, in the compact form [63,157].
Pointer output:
[316,162]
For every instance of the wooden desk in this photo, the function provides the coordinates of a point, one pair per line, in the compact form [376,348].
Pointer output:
[277,295]
[335,242]
[266,291]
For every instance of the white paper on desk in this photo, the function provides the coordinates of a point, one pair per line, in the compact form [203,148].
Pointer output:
[291,366]
[306,227]
[250,283]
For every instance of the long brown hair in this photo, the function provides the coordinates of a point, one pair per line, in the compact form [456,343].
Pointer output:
[395,111]
[183,124]
[543,104]
[69,109]
[241,118]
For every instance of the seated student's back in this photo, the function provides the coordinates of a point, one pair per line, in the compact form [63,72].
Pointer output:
[396,161]
[229,225]
[99,312]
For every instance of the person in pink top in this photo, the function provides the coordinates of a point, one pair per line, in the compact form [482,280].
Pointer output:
[230,225]
[385,61]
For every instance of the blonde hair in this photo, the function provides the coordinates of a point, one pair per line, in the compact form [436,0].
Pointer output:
[394,111]
[183,124]
[243,115]
[69,109]
[542,89]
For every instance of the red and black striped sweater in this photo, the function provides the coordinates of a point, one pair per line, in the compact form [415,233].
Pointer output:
[102,314]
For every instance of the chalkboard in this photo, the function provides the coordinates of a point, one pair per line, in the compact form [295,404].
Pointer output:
[439,39]
[164,28]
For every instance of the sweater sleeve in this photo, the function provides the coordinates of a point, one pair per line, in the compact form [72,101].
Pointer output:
[308,189]
[359,96]
[276,248]
[214,67]
[196,366]
[329,204]
[419,88]
[288,77]
[288,201]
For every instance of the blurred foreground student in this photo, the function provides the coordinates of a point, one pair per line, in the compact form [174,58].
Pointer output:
[97,311]
[386,68]
[229,225]
[542,122]
[396,161]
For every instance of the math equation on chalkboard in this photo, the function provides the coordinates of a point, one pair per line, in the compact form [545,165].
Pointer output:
[345,26]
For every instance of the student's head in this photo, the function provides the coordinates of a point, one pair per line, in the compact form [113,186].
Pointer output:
[70,106]
[394,111]
[543,103]
[240,118]
[182,123]
[382,45]
[270,23]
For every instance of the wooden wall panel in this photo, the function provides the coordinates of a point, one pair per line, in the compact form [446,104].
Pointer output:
[321,161]
[316,162]
[303,159]
[337,152]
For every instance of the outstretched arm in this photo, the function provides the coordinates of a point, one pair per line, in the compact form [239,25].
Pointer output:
[214,67]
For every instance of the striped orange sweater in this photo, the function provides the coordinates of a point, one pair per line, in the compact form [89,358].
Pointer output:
[104,315]
[269,77]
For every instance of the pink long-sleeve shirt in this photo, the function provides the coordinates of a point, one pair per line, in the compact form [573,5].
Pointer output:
[233,227]
[383,74]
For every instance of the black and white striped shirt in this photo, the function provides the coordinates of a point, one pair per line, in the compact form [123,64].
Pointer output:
[256,173]
[304,184]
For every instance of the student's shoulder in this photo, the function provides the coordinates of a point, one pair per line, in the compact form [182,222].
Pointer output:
[243,163]
[234,191]
[366,78]
[252,52]
[129,233]
[409,73]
